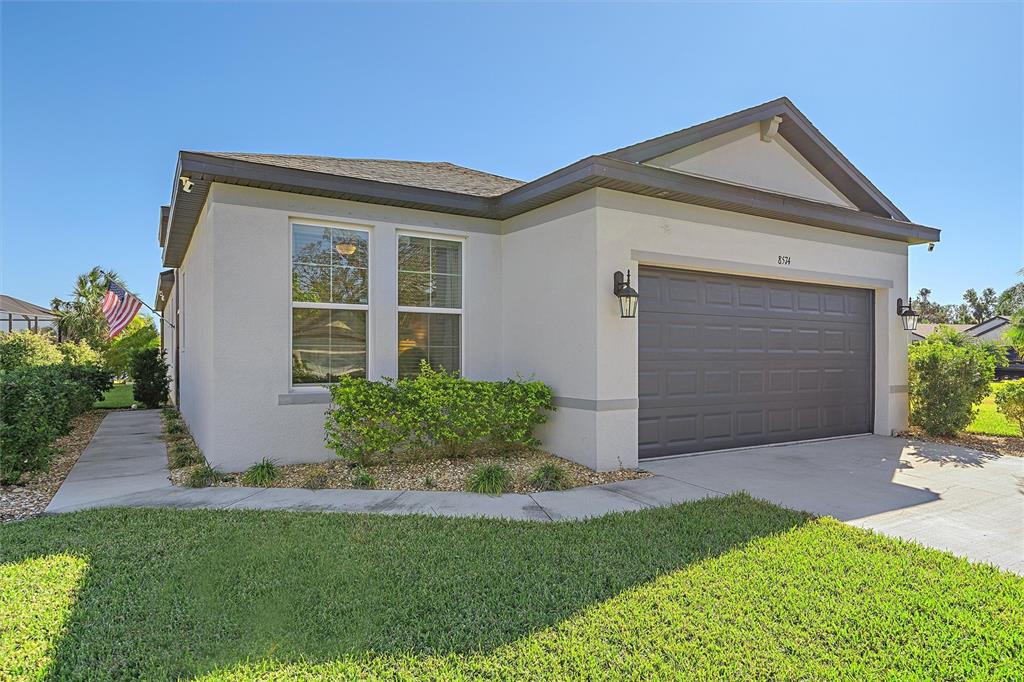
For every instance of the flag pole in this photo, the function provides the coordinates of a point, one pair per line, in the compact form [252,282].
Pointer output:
[139,298]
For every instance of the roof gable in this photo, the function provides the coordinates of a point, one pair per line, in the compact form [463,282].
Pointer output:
[746,156]
[798,131]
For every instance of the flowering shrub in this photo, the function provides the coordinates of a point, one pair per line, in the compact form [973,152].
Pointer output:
[435,410]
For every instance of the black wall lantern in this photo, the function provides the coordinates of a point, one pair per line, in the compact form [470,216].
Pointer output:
[907,314]
[627,294]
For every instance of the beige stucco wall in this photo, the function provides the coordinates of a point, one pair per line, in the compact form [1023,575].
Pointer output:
[741,156]
[538,303]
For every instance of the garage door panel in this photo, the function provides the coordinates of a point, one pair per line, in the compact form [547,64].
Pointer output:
[732,361]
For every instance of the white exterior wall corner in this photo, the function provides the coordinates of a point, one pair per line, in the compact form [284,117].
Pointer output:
[549,326]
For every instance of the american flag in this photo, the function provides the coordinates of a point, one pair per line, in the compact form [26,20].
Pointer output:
[119,307]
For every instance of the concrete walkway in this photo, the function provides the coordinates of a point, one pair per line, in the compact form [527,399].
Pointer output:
[963,501]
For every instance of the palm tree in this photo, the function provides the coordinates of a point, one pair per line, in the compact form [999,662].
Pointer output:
[81,317]
[1015,337]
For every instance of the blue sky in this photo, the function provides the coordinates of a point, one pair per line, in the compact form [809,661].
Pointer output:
[98,98]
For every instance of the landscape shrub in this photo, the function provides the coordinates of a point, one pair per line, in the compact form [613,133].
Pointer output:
[947,379]
[550,476]
[261,474]
[1010,401]
[203,476]
[361,478]
[78,353]
[37,404]
[435,410]
[27,349]
[489,479]
[149,373]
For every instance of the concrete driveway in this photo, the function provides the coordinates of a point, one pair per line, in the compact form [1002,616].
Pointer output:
[967,502]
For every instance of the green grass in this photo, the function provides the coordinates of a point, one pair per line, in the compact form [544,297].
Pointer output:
[728,588]
[120,396]
[261,474]
[989,421]
[489,479]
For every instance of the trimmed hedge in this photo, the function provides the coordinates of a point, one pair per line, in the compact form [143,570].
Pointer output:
[37,404]
[435,410]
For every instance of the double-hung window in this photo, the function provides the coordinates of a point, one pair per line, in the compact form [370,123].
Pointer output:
[429,304]
[330,300]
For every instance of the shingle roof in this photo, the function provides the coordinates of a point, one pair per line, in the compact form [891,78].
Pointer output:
[9,304]
[438,175]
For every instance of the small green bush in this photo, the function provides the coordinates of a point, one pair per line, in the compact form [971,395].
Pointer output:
[946,380]
[1010,400]
[174,426]
[261,474]
[489,479]
[435,411]
[361,478]
[27,349]
[550,476]
[149,372]
[203,476]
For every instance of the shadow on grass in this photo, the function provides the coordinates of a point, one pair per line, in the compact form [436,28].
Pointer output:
[173,594]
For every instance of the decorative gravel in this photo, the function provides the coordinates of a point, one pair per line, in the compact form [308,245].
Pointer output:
[1003,445]
[30,497]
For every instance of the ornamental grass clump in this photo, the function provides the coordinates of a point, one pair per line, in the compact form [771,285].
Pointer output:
[203,476]
[185,454]
[550,476]
[261,474]
[489,479]
[436,412]
[361,478]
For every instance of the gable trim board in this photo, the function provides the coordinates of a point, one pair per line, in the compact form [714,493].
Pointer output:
[800,133]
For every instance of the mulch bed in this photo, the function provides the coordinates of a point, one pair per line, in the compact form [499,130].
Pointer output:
[1003,445]
[438,474]
[30,497]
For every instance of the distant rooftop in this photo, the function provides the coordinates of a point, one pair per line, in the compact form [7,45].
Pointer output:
[9,304]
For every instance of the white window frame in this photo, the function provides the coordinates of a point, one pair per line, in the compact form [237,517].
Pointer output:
[460,311]
[292,222]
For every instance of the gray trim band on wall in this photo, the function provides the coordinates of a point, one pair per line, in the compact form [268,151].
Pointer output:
[757,270]
[311,398]
[899,389]
[596,405]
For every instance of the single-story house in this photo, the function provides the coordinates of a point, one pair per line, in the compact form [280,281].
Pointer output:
[992,329]
[768,270]
[18,315]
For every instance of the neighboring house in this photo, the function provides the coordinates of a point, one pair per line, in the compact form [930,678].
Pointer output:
[992,329]
[767,266]
[17,315]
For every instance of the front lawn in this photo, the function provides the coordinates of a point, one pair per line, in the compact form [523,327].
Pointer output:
[119,397]
[991,422]
[726,588]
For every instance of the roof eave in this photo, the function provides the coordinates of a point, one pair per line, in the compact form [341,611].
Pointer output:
[164,284]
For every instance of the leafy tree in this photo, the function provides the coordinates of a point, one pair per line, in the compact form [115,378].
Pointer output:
[980,307]
[81,317]
[930,311]
[139,334]
[78,353]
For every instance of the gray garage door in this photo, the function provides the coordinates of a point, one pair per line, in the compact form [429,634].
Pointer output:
[732,361]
